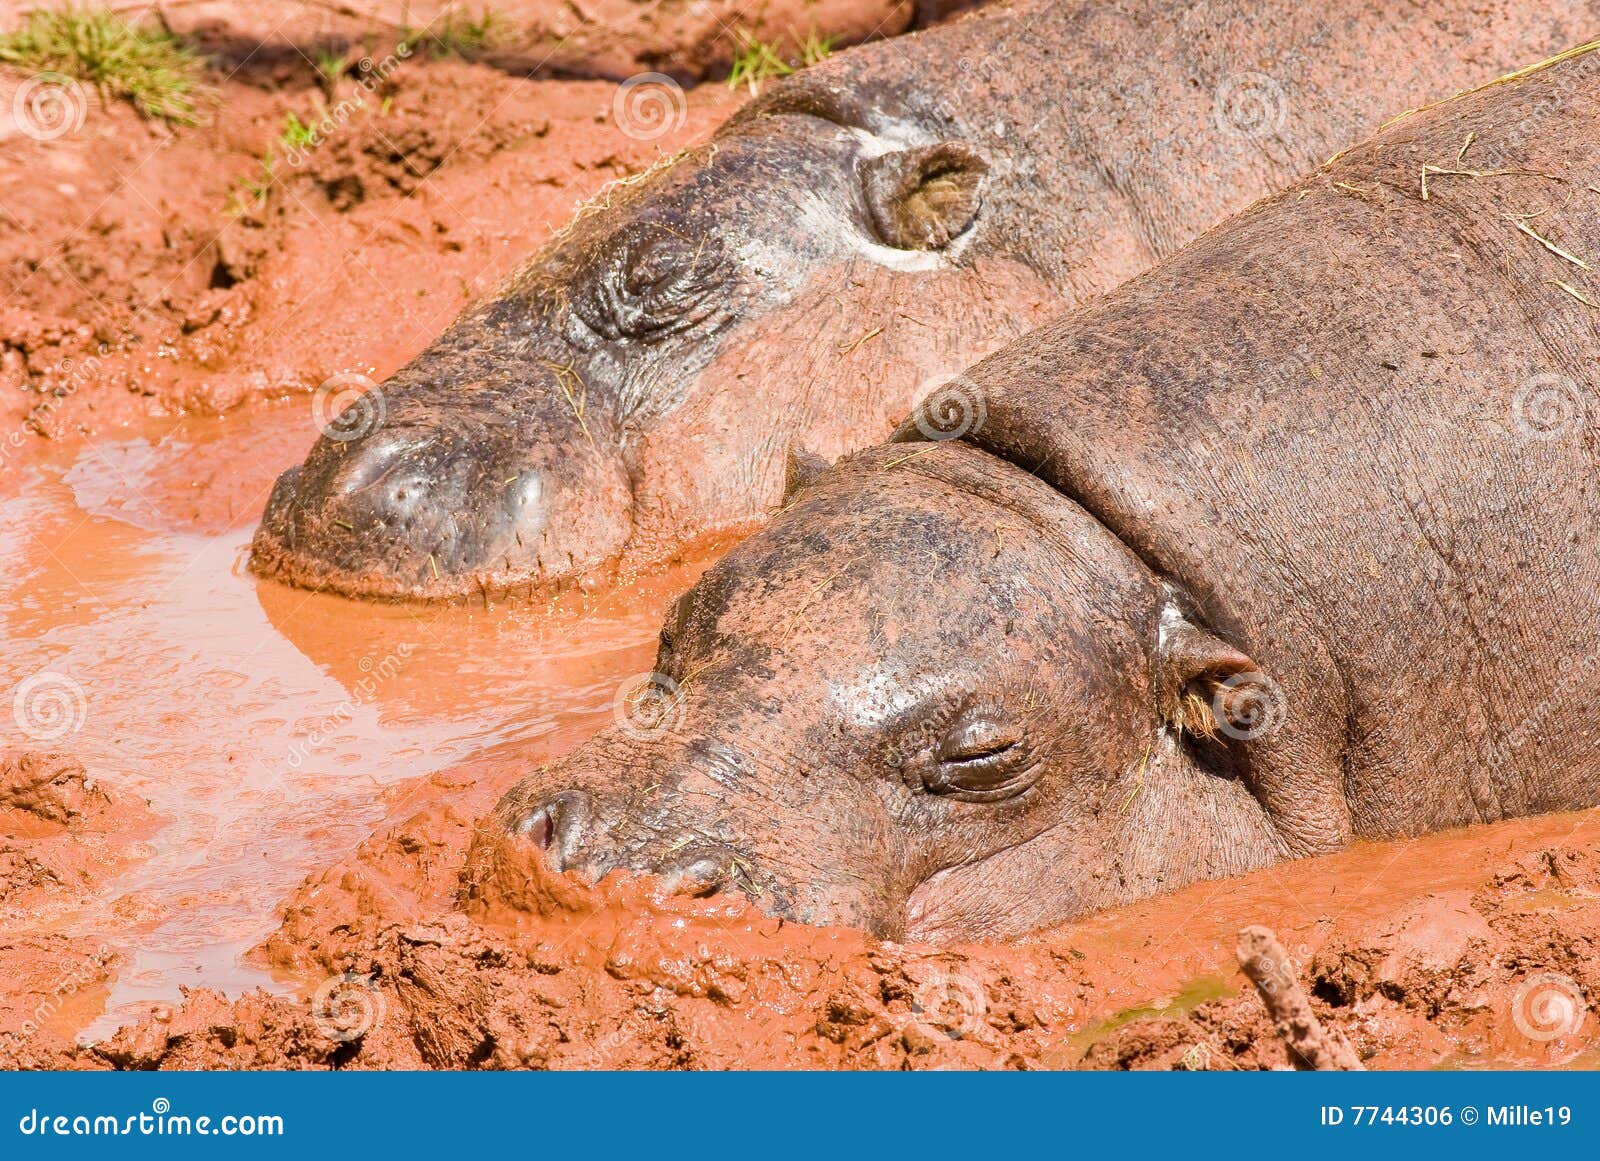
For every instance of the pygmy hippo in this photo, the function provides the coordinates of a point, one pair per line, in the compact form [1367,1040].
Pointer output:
[849,240]
[1288,542]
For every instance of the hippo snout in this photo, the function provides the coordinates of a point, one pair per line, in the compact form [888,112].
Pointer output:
[563,828]
[395,483]
[420,509]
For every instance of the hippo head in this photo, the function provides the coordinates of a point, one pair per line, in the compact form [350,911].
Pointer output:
[933,699]
[617,397]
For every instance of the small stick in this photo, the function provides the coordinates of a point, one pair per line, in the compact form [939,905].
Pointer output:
[1576,293]
[848,348]
[1547,243]
[1310,1046]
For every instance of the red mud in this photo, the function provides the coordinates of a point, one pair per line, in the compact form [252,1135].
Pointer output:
[62,839]
[141,273]
[314,768]
[1420,955]
[599,38]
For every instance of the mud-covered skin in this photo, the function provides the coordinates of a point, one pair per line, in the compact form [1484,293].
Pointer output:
[860,232]
[871,697]
[1310,486]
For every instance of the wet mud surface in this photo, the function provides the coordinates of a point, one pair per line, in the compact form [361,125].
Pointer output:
[240,825]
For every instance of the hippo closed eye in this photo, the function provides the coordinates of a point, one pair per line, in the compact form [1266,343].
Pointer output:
[849,240]
[928,682]
[1289,542]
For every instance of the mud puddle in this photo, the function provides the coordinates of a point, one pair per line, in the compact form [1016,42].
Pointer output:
[264,724]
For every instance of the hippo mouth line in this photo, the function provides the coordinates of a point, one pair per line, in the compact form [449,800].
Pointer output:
[273,559]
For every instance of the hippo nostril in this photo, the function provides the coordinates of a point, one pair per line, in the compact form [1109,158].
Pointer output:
[358,466]
[700,876]
[556,826]
[541,828]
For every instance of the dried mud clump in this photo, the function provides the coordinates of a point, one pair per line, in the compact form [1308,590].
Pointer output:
[440,945]
[62,838]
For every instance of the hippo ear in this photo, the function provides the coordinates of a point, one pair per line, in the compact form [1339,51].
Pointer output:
[1206,687]
[924,198]
[801,471]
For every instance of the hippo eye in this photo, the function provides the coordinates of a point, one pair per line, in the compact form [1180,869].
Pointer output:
[981,760]
[660,285]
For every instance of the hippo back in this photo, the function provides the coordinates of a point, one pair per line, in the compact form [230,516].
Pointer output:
[1358,424]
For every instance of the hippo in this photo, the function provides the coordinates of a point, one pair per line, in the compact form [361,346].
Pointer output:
[1291,541]
[844,244]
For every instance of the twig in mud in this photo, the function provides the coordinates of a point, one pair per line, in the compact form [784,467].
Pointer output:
[1310,1045]
[903,459]
[1466,145]
[1575,292]
[847,348]
[1441,171]
[1547,243]
[1583,49]
[1138,780]
[575,399]
[800,612]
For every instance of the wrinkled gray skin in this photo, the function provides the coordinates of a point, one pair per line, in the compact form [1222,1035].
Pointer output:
[859,233]
[1289,542]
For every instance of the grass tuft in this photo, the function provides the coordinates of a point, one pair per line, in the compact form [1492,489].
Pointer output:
[148,66]
[757,61]
[457,34]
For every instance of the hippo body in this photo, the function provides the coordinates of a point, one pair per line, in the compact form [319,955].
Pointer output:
[1293,540]
[852,238]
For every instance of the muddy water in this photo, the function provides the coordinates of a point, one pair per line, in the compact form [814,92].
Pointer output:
[264,723]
